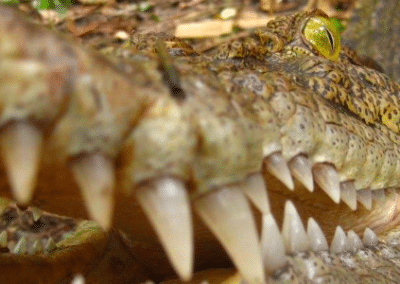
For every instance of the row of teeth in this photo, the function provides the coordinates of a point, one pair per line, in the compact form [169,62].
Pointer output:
[23,246]
[167,204]
[294,239]
[273,244]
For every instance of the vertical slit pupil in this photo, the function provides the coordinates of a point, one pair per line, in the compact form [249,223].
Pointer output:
[331,39]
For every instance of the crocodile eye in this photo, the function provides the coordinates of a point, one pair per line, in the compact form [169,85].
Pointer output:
[323,36]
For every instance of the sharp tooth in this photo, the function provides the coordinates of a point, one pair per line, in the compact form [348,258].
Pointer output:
[339,243]
[20,247]
[79,279]
[256,190]
[294,234]
[21,145]
[167,206]
[36,213]
[315,236]
[364,196]
[228,215]
[328,179]
[348,194]
[36,247]
[379,195]
[95,176]
[370,239]
[50,246]
[355,243]
[3,239]
[277,166]
[300,166]
[272,246]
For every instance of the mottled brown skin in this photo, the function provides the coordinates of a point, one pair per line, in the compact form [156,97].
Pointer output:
[237,108]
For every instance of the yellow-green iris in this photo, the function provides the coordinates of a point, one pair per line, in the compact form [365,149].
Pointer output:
[324,37]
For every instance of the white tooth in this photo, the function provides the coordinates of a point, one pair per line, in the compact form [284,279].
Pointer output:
[228,215]
[315,236]
[277,166]
[79,279]
[50,246]
[339,243]
[36,247]
[272,246]
[96,178]
[294,234]
[167,205]
[364,196]
[20,247]
[256,190]
[355,244]
[370,239]
[21,145]
[3,239]
[328,179]
[348,194]
[301,166]
[36,213]
[379,195]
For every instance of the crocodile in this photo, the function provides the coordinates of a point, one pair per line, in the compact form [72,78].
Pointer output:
[287,119]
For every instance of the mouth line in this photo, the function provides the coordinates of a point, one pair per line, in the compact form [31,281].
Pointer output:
[379,212]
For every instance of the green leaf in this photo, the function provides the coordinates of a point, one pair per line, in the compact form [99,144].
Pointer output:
[9,2]
[61,6]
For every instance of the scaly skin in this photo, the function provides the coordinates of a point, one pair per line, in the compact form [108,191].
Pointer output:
[208,121]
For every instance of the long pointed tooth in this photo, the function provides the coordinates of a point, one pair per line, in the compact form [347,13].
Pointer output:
[348,194]
[272,246]
[355,243]
[294,234]
[166,204]
[21,246]
[370,239]
[228,215]
[379,195]
[315,236]
[95,175]
[256,190]
[328,179]
[364,196]
[339,242]
[3,239]
[36,213]
[50,246]
[277,166]
[36,247]
[301,168]
[21,145]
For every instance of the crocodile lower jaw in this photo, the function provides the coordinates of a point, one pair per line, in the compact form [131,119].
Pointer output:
[382,217]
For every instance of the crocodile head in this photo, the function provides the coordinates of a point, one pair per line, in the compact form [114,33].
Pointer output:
[286,114]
